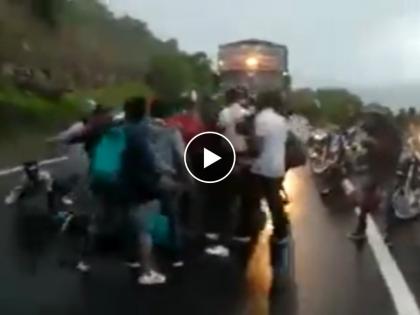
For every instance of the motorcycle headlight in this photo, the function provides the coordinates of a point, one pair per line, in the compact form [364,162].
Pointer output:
[313,155]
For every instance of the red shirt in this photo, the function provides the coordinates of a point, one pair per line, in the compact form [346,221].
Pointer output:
[189,125]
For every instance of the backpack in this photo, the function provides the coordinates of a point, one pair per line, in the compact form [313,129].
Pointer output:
[107,157]
[158,227]
[295,152]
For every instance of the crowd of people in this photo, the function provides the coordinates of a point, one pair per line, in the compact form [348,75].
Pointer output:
[141,186]
[136,165]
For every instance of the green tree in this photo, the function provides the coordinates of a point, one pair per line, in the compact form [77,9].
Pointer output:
[170,75]
[202,73]
[402,117]
[339,106]
[304,102]
[83,45]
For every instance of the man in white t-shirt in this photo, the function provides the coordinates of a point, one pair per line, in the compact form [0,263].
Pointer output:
[230,117]
[271,129]
[268,169]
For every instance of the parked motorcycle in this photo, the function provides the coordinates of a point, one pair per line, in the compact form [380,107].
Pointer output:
[406,196]
[317,145]
[326,161]
[355,152]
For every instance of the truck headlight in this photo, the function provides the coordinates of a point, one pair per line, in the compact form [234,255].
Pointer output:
[252,62]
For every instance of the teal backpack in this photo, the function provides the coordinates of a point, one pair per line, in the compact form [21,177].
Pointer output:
[107,157]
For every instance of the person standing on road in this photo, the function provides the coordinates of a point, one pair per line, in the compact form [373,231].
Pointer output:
[188,122]
[140,181]
[77,129]
[384,147]
[230,117]
[168,147]
[229,190]
[269,167]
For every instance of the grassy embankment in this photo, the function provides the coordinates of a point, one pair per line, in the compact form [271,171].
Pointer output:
[27,119]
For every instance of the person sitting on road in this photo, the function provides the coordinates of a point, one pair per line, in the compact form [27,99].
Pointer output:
[33,178]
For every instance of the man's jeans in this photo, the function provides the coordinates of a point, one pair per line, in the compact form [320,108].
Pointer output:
[269,189]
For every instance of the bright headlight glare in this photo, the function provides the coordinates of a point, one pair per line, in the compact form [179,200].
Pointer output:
[252,62]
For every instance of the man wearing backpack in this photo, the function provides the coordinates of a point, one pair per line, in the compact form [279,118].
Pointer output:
[123,175]
[141,182]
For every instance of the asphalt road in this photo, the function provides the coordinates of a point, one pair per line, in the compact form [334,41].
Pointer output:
[332,275]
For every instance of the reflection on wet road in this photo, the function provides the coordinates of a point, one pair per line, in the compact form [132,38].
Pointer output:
[259,276]
[331,275]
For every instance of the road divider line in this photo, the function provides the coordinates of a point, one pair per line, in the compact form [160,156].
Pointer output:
[17,169]
[404,300]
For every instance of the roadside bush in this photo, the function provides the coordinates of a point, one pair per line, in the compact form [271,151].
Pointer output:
[111,96]
[22,111]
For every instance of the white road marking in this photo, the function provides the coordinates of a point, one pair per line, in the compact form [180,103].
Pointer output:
[17,169]
[404,300]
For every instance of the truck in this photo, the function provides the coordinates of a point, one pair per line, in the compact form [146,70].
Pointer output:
[257,65]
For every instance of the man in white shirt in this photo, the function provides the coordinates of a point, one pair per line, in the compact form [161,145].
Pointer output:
[230,117]
[268,169]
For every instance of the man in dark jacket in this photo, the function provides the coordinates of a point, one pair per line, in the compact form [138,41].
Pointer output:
[384,147]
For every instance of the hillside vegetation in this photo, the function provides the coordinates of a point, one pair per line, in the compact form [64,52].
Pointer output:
[81,43]
[56,53]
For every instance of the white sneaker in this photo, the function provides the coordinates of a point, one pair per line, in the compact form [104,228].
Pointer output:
[67,201]
[212,236]
[10,199]
[178,264]
[133,264]
[325,191]
[152,278]
[218,250]
[83,267]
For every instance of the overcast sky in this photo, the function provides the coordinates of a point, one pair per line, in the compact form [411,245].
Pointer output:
[331,42]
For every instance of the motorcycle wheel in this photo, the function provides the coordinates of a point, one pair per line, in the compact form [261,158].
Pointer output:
[402,208]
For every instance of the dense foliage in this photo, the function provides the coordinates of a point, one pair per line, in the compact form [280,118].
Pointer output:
[336,106]
[81,43]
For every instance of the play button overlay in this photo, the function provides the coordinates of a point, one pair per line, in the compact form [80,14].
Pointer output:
[209,157]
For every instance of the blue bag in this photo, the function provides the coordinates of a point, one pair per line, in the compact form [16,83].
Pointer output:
[159,229]
[107,157]
[157,224]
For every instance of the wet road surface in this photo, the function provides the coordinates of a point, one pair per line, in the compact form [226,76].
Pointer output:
[332,275]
